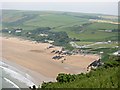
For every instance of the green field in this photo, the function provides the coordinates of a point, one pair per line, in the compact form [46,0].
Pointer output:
[84,43]
[111,45]
[76,25]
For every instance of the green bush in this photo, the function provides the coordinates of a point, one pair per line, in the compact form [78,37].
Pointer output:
[63,78]
[106,76]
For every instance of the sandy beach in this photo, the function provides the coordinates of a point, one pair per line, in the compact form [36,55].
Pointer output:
[37,58]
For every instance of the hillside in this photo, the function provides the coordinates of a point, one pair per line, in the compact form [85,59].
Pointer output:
[76,25]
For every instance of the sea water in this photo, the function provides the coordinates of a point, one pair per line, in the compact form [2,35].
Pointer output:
[11,77]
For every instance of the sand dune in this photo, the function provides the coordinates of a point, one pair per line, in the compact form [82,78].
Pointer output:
[38,58]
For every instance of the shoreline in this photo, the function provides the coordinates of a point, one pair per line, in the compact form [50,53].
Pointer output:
[13,75]
[23,74]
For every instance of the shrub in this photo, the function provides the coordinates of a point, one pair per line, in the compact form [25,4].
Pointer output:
[63,78]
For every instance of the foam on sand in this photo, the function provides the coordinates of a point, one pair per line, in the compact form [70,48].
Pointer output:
[14,85]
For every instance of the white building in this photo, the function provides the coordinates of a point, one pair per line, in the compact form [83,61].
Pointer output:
[44,35]
[117,53]
[18,30]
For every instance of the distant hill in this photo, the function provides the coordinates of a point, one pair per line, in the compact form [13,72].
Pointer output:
[77,25]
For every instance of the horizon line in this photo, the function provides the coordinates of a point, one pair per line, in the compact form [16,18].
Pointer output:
[56,11]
